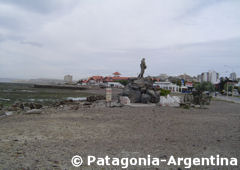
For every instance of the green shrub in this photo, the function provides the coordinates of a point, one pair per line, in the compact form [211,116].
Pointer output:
[123,82]
[204,86]
[164,92]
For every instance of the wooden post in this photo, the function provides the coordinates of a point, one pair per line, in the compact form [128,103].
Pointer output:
[108,96]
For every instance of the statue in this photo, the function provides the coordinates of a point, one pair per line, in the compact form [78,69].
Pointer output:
[143,67]
[140,89]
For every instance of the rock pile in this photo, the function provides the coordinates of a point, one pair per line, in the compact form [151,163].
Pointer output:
[91,101]
[24,106]
[141,90]
[21,107]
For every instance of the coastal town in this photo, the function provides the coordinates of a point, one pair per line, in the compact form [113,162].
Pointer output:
[119,85]
[181,83]
[151,110]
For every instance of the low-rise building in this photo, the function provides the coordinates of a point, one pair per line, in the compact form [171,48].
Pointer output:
[108,80]
[167,86]
[114,84]
[116,74]
[95,80]
[68,79]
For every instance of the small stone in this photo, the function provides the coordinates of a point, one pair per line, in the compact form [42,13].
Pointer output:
[38,106]
[115,104]
[75,107]
[12,108]
[87,103]
[21,106]
[31,105]
[9,113]
[34,111]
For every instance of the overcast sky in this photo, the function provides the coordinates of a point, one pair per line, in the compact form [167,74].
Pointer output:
[51,38]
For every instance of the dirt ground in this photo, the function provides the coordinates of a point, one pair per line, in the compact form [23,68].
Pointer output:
[51,139]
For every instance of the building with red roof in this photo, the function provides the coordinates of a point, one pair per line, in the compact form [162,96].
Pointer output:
[116,74]
[96,80]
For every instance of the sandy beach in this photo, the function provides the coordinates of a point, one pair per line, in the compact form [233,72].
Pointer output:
[49,140]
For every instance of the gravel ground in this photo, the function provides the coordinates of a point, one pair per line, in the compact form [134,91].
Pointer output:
[51,139]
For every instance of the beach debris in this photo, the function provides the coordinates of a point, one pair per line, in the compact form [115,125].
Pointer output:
[34,111]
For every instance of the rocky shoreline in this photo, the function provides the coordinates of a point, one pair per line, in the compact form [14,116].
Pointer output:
[67,104]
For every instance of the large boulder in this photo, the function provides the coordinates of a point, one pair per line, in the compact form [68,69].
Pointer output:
[155,96]
[134,96]
[139,83]
[145,98]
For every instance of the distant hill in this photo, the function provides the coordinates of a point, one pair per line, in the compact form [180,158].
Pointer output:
[43,81]
[6,80]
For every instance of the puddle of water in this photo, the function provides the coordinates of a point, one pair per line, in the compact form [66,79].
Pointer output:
[40,100]
[77,98]
[28,91]
[4,99]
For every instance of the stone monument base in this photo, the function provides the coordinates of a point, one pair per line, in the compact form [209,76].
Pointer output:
[141,90]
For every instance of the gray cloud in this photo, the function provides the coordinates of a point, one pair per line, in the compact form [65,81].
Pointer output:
[40,6]
[32,43]
[53,38]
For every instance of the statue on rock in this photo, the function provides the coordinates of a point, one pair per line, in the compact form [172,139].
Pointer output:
[143,67]
[140,89]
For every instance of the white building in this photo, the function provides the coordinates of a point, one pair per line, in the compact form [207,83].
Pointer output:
[68,79]
[204,77]
[163,77]
[233,76]
[167,86]
[213,77]
[210,76]
[115,84]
